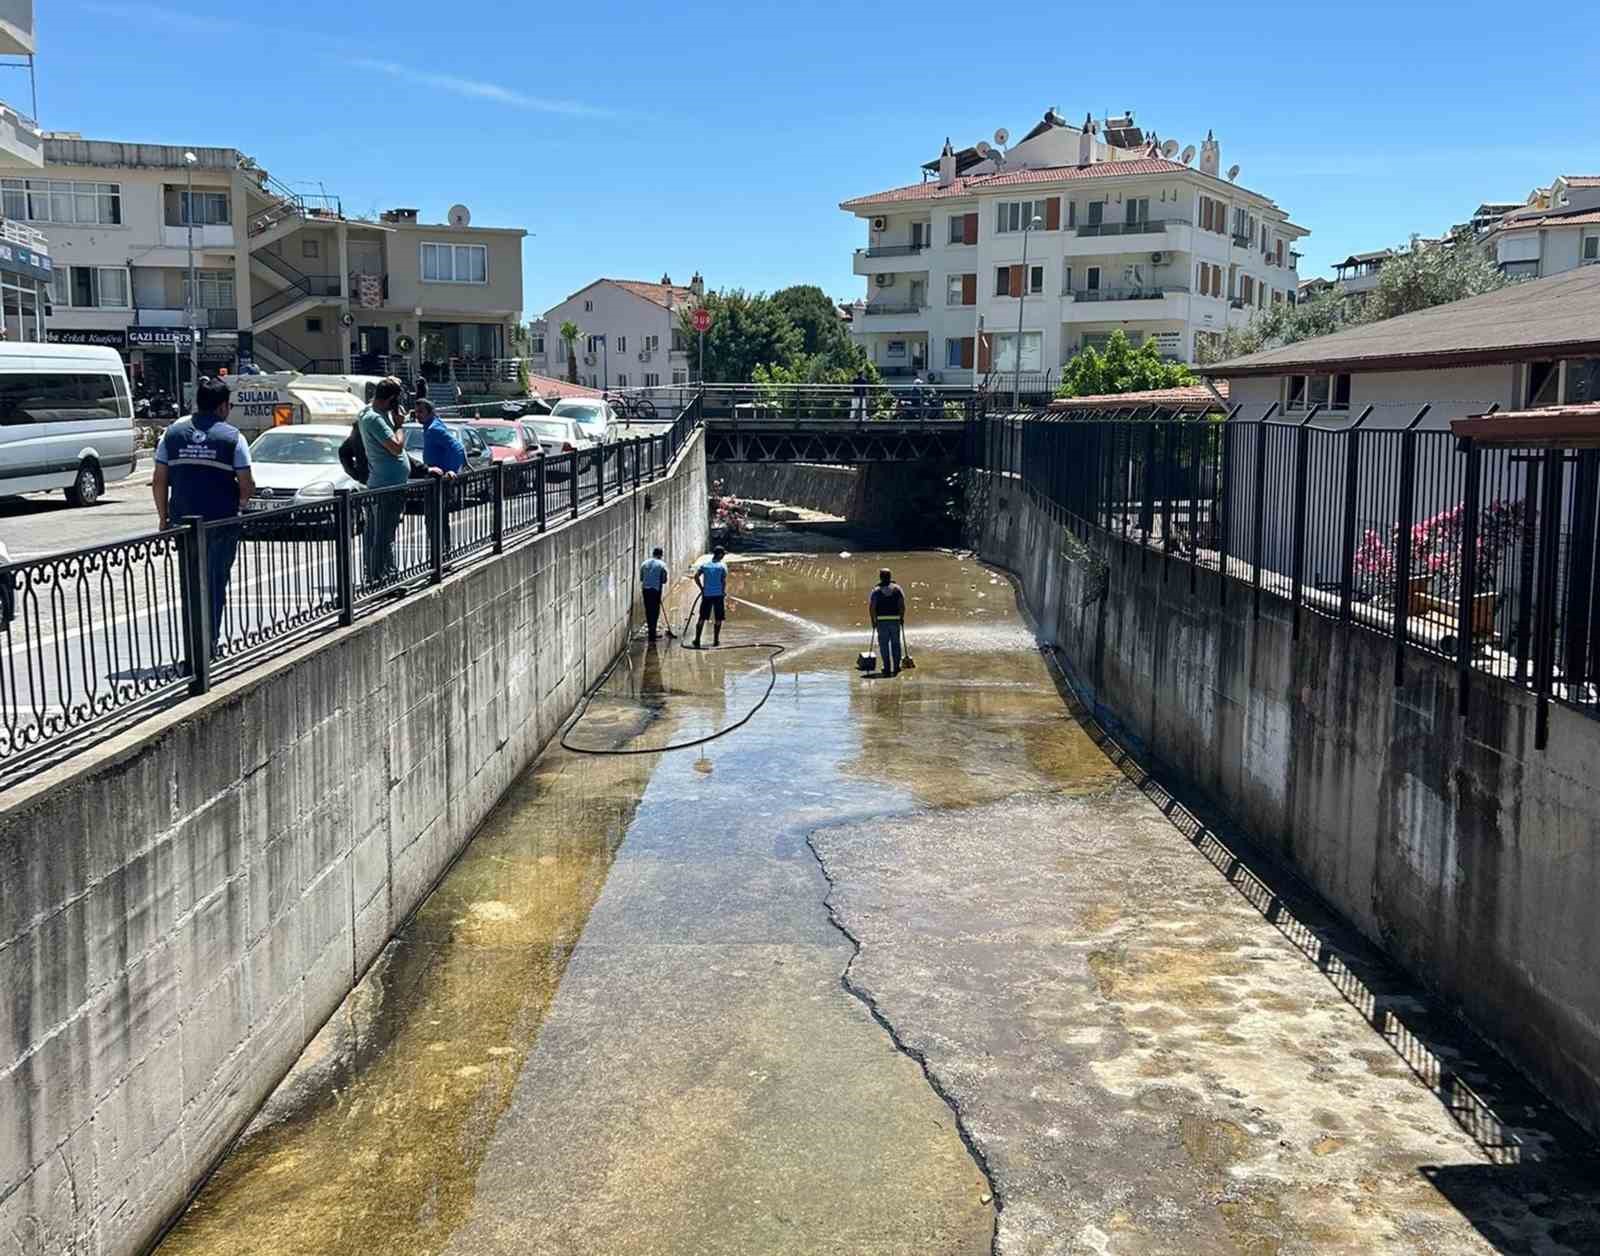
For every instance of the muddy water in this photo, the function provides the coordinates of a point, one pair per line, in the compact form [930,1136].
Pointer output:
[619,1024]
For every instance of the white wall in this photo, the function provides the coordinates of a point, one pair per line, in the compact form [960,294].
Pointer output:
[616,314]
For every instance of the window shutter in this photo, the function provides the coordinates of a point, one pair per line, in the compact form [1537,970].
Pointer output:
[966,353]
[1018,283]
[985,353]
[969,229]
[1052,214]
[969,292]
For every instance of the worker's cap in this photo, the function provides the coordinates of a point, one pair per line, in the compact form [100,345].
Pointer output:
[884,575]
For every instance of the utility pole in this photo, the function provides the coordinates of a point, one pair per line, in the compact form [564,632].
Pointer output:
[1016,373]
[193,293]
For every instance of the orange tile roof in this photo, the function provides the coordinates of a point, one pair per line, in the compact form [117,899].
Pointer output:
[1550,218]
[1194,398]
[657,293]
[1581,180]
[1569,427]
[968,185]
[550,386]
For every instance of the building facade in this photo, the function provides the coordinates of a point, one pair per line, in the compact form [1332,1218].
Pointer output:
[1127,238]
[1557,230]
[282,280]
[25,266]
[629,333]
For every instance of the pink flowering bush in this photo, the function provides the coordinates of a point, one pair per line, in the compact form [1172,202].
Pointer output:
[728,517]
[1436,550]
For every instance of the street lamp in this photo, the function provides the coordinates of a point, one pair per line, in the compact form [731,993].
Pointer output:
[193,292]
[1016,373]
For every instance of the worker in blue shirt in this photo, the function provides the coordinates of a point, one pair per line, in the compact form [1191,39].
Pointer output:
[653,576]
[712,577]
[444,456]
[203,469]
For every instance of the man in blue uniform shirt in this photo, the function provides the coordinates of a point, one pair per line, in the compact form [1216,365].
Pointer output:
[712,577]
[444,456]
[653,575]
[203,468]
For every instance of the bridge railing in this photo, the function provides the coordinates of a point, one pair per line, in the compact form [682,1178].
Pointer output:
[823,403]
[92,640]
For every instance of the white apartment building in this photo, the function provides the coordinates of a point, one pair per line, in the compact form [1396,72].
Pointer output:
[629,333]
[1128,238]
[1557,230]
[282,279]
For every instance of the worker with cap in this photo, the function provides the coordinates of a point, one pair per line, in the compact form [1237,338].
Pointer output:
[712,577]
[888,608]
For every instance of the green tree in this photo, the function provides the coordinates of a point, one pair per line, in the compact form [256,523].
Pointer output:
[569,337]
[1120,368]
[814,312]
[746,331]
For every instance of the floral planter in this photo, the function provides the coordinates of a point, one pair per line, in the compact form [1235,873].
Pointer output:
[1482,618]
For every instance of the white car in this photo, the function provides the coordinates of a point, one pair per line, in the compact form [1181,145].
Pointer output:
[594,417]
[296,464]
[558,435]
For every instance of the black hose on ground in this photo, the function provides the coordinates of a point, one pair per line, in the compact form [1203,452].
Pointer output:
[583,707]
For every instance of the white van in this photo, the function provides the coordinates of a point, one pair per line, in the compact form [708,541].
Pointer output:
[66,420]
[265,401]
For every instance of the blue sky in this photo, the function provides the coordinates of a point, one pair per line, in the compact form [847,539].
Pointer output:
[632,139]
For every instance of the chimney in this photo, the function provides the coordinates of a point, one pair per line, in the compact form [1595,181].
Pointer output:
[666,280]
[947,165]
[1211,157]
[697,285]
[1086,141]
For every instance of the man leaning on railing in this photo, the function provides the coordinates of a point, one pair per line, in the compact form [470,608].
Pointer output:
[203,468]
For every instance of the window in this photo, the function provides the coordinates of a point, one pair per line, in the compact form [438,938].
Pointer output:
[536,345]
[1136,209]
[313,327]
[1036,279]
[1066,279]
[957,230]
[311,247]
[1091,278]
[90,287]
[216,289]
[1002,281]
[622,344]
[56,200]
[594,343]
[678,377]
[1301,392]
[952,353]
[1341,392]
[952,290]
[653,380]
[38,397]
[1317,390]
[457,263]
[208,209]
[1544,382]
[895,349]
[1016,215]
[652,343]
[1005,351]
[622,379]
[1583,380]
[1591,248]
[588,307]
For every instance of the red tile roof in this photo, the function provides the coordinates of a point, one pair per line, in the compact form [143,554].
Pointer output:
[550,386]
[1192,398]
[1569,427]
[1581,180]
[968,185]
[1550,218]
[657,292]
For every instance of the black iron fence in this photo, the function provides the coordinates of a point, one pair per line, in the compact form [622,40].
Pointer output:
[90,640]
[1489,557]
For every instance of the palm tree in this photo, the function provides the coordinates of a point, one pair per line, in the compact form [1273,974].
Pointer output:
[570,334]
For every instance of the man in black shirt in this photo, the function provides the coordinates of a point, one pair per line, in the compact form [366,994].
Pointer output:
[888,607]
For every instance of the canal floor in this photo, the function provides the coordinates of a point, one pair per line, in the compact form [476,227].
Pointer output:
[633,1017]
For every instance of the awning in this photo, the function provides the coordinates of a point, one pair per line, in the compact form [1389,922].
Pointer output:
[1562,427]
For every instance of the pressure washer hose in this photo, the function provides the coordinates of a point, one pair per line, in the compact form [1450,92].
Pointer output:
[583,707]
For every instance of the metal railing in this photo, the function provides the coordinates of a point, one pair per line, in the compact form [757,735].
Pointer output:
[893,250]
[900,307]
[298,359]
[1152,293]
[91,640]
[1152,226]
[1488,557]
[299,290]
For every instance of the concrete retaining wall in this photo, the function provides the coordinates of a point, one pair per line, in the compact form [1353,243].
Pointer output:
[1471,857]
[833,490]
[181,909]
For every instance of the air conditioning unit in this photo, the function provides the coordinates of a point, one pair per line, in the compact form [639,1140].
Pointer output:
[588,359]
[884,281]
[880,223]
[644,355]
[1157,258]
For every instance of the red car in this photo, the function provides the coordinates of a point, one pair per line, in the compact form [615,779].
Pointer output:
[507,440]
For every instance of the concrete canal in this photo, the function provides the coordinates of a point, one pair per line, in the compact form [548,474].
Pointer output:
[633,1017]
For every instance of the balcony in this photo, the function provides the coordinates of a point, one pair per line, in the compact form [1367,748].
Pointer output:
[176,316]
[21,145]
[1111,239]
[1099,305]
[206,236]
[1153,226]
[896,258]
[1241,241]
[893,315]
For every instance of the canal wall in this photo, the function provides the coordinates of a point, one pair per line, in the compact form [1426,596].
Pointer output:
[183,907]
[815,486]
[1467,854]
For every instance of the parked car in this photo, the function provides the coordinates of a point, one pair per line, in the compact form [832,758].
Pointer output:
[479,455]
[298,465]
[556,435]
[594,417]
[507,440]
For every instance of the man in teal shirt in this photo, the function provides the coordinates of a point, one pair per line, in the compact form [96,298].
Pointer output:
[712,577]
[389,467]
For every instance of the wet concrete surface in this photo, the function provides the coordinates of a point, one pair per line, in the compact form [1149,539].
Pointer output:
[629,1020]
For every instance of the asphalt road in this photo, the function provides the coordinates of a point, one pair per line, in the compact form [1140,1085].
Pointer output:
[43,523]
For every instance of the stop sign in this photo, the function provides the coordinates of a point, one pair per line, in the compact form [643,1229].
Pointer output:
[702,318]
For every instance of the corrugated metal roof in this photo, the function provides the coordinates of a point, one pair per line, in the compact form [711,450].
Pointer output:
[1558,316]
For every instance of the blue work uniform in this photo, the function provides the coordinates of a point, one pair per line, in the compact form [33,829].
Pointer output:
[204,456]
[653,579]
[713,594]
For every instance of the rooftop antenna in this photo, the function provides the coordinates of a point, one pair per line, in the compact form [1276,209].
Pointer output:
[1188,155]
[1170,147]
[1233,173]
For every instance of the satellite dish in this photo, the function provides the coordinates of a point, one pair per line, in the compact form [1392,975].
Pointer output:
[1002,136]
[460,216]
[982,148]
[1188,155]
[1233,173]
[1170,147]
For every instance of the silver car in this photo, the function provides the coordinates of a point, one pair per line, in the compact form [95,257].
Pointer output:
[594,417]
[560,435]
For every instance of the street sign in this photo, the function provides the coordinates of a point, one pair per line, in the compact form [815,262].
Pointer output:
[702,319]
